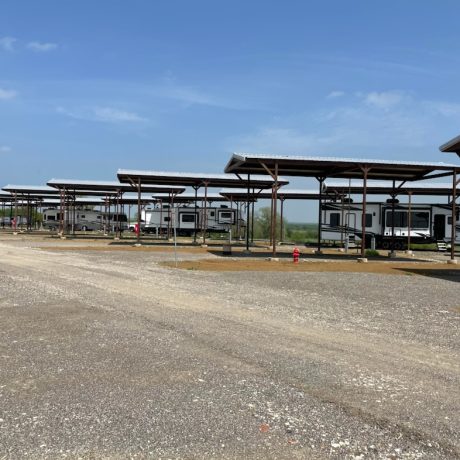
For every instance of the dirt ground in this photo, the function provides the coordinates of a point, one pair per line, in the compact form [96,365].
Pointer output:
[110,353]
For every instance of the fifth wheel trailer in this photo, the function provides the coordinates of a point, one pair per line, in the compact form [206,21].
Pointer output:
[85,220]
[428,223]
[188,219]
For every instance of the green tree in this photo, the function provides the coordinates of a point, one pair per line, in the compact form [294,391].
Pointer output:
[262,224]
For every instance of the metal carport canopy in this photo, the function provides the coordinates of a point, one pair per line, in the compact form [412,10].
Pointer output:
[283,194]
[37,190]
[195,179]
[451,146]
[323,167]
[190,197]
[109,186]
[348,168]
[386,188]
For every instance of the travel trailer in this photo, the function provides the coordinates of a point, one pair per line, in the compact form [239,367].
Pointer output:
[428,223]
[84,220]
[188,219]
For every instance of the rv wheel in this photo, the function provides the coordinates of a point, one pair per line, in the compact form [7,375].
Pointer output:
[385,245]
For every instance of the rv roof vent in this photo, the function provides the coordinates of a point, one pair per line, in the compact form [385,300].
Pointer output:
[392,200]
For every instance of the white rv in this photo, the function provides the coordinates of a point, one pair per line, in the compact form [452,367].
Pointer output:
[428,223]
[188,219]
[84,220]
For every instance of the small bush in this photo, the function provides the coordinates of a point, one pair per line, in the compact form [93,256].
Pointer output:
[372,253]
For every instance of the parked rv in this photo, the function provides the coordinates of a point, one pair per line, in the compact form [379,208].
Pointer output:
[187,219]
[428,223]
[84,220]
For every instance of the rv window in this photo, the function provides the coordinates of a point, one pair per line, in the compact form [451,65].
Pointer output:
[368,220]
[449,220]
[188,217]
[420,219]
[50,217]
[335,219]
[225,215]
[98,217]
[83,216]
[400,219]
[212,213]
[166,219]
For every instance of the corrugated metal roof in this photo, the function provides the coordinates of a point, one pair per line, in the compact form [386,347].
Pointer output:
[32,189]
[451,146]
[315,166]
[386,187]
[283,193]
[195,179]
[110,186]
[244,156]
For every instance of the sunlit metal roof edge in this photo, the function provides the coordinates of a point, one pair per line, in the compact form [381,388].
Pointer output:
[244,156]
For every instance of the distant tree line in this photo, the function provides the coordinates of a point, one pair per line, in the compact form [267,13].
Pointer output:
[295,232]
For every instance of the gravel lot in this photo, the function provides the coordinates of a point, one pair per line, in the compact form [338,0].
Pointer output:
[111,355]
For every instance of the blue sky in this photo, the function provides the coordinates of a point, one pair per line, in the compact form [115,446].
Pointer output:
[88,87]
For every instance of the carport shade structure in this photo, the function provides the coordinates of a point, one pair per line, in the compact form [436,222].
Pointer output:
[453,146]
[346,168]
[106,188]
[28,193]
[342,188]
[196,181]
[283,195]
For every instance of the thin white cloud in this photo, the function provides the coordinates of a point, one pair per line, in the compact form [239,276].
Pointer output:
[5,149]
[384,100]
[446,109]
[41,47]
[335,94]
[7,43]
[112,115]
[188,96]
[102,114]
[7,94]
[378,124]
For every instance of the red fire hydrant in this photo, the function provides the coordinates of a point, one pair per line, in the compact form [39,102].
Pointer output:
[136,229]
[295,255]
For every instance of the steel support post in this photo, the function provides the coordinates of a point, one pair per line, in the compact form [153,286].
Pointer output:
[281,220]
[320,214]
[275,199]
[252,217]
[248,209]
[409,220]
[393,207]
[138,239]
[363,217]
[205,218]
[195,233]
[454,215]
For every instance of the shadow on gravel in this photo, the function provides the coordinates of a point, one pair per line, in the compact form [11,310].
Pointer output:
[308,255]
[444,274]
